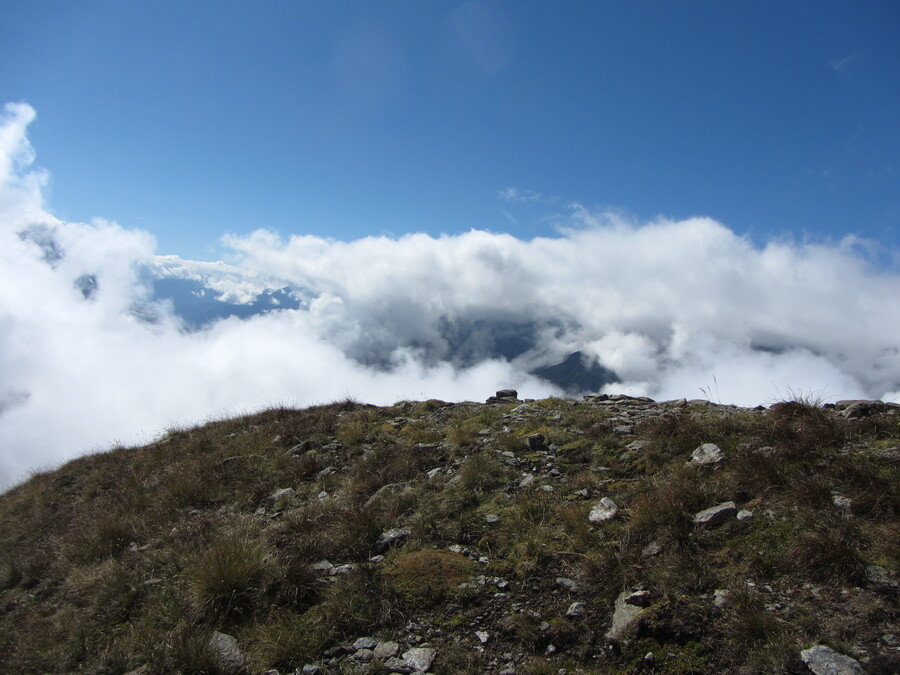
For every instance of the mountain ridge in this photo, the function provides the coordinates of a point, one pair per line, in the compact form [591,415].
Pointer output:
[610,534]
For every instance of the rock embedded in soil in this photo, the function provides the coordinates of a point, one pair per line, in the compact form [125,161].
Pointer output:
[605,509]
[228,655]
[824,660]
[715,515]
[708,453]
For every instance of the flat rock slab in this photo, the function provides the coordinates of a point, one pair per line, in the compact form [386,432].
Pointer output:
[715,515]
[824,660]
[420,658]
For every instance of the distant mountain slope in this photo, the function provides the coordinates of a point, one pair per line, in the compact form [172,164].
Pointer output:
[577,374]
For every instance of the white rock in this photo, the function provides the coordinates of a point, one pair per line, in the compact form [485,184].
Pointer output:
[604,510]
[420,658]
[708,453]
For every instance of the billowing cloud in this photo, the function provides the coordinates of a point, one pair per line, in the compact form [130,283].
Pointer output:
[90,355]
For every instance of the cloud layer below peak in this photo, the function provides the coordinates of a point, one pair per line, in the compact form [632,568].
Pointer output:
[91,353]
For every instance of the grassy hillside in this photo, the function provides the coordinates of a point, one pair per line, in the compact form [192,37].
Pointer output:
[486,532]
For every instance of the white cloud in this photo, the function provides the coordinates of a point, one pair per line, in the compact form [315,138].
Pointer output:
[511,194]
[675,308]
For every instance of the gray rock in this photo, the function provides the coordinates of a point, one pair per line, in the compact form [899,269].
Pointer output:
[279,494]
[507,393]
[526,481]
[386,650]
[483,636]
[576,609]
[397,665]
[708,453]
[390,538]
[300,448]
[569,584]
[365,643]
[492,518]
[420,658]
[841,502]
[604,510]
[653,548]
[824,660]
[623,615]
[310,669]
[323,567]
[363,655]
[744,514]
[715,515]
[229,657]
[860,408]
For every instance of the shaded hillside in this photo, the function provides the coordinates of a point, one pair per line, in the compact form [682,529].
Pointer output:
[576,374]
[606,535]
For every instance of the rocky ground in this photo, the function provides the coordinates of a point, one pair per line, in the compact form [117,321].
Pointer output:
[603,535]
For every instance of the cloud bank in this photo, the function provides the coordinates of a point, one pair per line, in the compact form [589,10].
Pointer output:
[90,356]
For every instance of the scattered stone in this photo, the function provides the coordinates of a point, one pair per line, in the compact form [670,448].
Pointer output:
[385,650]
[649,657]
[623,429]
[715,515]
[569,584]
[550,651]
[841,502]
[420,658]
[394,664]
[853,409]
[434,473]
[744,514]
[824,660]
[708,453]
[880,578]
[229,657]
[623,615]
[483,636]
[327,471]
[279,494]
[527,481]
[575,609]
[504,396]
[390,538]
[300,448]
[310,669]
[492,518]
[323,567]
[605,509]
[365,643]
[653,548]
[363,655]
[720,597]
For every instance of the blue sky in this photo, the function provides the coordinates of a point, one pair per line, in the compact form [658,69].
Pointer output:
[345,119]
